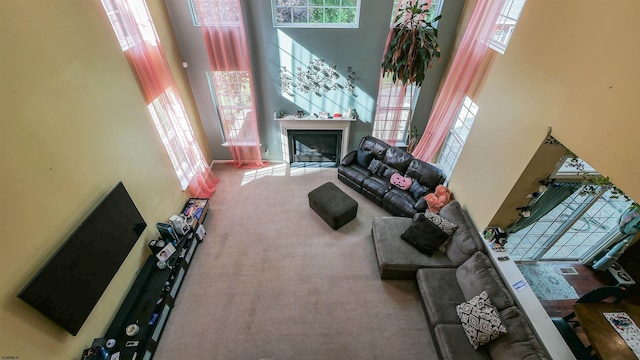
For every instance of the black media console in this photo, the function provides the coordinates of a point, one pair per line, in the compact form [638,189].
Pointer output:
[136,328]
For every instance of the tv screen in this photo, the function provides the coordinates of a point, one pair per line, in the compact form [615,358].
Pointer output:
[68,286]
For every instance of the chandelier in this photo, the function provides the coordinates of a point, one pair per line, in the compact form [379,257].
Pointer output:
[318,78]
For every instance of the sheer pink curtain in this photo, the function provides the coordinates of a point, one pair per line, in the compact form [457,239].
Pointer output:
[464,68]
[222,26]
[134,29]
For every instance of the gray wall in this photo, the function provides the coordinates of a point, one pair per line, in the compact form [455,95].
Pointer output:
[359,48]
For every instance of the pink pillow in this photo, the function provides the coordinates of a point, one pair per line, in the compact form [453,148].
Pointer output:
[400,181]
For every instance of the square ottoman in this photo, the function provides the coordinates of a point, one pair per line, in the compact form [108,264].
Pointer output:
[334,206]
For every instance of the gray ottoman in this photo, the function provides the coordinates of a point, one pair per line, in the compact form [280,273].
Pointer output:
[334,206]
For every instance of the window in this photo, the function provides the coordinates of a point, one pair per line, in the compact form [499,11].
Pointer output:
[217,12]
[457,136]
[231,93]
[170,120]
[505,25]
[394,104]
[435,7]
[316,13]
[393,111]
[128,38]
[136,34]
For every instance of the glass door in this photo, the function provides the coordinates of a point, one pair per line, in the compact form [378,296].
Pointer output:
[576,230]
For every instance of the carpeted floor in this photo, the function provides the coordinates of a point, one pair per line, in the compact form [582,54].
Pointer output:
[547,282]
[273,281]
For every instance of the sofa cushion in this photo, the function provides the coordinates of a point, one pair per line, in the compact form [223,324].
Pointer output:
[374,188]
[364,157]
[427,174]
[466,240]
[397,159]
[454,344]
[399,203]
[519,342]
[477,274]
[424,235]
[396,256]
[480,320]
[354,174]
[376,146]
[440,294]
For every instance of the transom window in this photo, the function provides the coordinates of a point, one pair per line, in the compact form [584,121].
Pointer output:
[457,136]
[435,7]
[505,24]
[316,13]
[218,13]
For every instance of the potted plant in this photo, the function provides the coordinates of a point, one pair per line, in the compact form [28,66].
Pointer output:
[413,45]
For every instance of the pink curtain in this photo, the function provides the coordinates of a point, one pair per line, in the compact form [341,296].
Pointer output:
[464,68]
[222,26]
[134,29]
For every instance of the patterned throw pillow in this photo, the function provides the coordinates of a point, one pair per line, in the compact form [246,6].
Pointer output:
[444,224]
[480,320]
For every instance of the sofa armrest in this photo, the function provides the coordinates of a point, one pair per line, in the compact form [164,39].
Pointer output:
[349,158]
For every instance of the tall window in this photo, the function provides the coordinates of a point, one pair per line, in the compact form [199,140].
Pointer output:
[505,24]
[395,101]
[457,136]
[393,111]
[316,13]
[231,92]
[136,34]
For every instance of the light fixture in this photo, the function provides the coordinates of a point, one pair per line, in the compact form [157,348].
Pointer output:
[318,78]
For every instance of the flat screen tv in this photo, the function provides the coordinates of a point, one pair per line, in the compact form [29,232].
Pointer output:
[68,286]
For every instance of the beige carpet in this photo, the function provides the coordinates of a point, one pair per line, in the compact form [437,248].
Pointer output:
[273,281]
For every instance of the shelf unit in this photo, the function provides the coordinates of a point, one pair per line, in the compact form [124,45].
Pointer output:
[148,304]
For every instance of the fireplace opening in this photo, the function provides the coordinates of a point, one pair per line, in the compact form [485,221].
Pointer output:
[310,147]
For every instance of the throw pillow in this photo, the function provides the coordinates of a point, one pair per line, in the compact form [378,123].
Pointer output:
[388,171]
[374,166]
[402,182]
[417,190]
[480,320]
[364,157]
[424,235]
[438,199]
[444,224]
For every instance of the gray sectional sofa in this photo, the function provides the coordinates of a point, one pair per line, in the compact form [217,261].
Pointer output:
[451,278]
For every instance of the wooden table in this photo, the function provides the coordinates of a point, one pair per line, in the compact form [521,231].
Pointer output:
[604,339]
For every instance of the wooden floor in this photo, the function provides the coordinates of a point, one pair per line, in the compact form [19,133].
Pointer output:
[586,280]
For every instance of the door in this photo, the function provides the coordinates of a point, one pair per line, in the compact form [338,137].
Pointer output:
[576,230]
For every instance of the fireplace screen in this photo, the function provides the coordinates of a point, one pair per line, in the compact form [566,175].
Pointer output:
[315,146]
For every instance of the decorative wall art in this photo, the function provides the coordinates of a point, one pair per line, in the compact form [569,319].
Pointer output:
[318,78]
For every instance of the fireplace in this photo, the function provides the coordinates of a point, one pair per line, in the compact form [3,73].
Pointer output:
[312,151]
[315,146]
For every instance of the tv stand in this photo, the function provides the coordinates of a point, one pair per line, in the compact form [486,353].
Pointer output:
[147,305]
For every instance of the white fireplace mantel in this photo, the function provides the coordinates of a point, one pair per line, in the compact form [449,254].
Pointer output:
[314,124]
